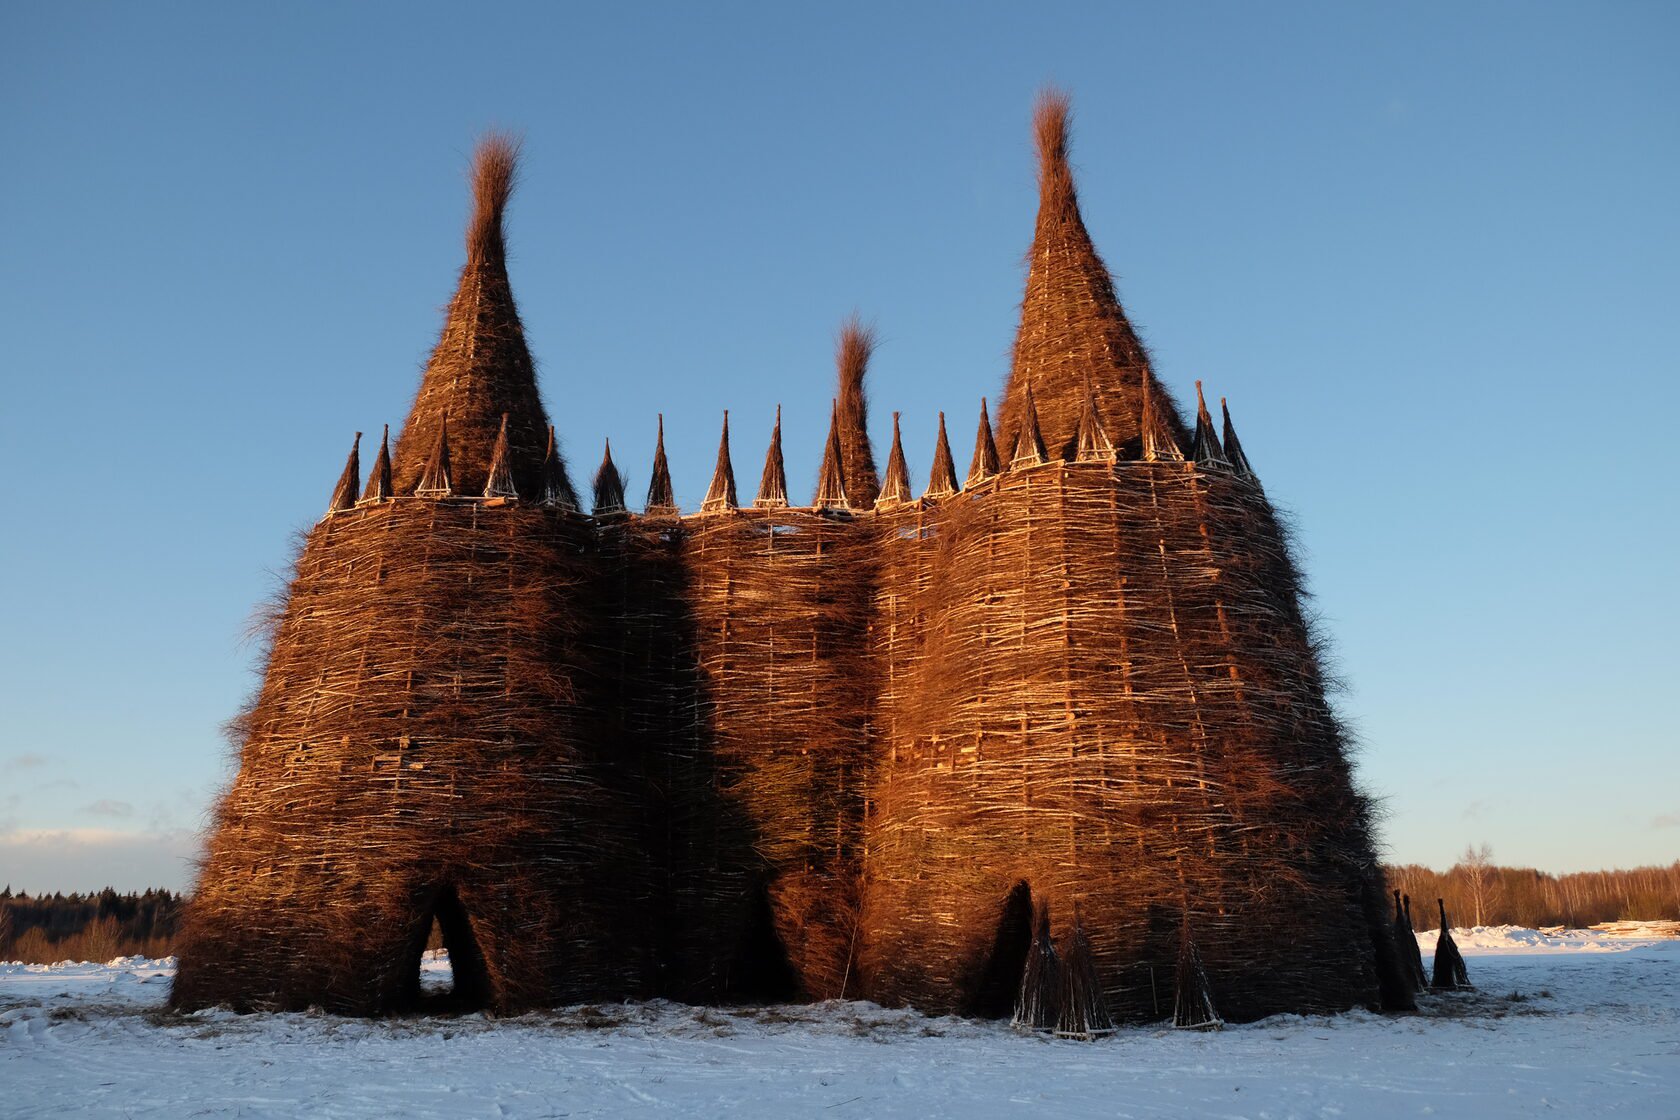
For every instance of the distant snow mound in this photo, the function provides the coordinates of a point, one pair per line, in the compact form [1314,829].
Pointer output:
[1612,937]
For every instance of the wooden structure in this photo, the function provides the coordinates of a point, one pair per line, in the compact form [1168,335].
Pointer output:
[1045,743]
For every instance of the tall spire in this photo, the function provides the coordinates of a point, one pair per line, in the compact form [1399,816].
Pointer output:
[851,354]
[661,501]
[1093,443]
[721,494]
[609,487]
[437,480]
[1207,451]
[500,483]
[772,485]
[895,488]
[1029,441]
[942,476]
[379,480]
[831,477]
[1233,446]
[480,368]
[344,494]
[1072,325]
[985,462]
[556,486]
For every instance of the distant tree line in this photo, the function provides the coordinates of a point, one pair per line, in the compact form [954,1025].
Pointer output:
[87,927]
[1478,892]
[98,927]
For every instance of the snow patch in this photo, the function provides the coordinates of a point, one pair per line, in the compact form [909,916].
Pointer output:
[1576,1023]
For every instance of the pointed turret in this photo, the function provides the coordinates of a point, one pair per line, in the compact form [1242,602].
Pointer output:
[1206,450]
[344,494]
[1072,325]
[985,462]
[1158,442]
[852,352]
[942,476]
[772,485]
[1094,446]
[661,501]
[500,483]
[437,480]
[480,368]
[1233,446]
[720,495]
[1029,441]
[609,487]
[895,488]
[556,485]
[831,477]
[1193,1007]
[379,481]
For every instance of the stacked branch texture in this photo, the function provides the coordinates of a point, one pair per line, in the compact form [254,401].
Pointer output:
[878,746]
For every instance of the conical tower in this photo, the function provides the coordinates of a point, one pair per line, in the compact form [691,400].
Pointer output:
[1072,325]
[424,746]
[720,495]
[480,368]
[1100,704]
[852,353]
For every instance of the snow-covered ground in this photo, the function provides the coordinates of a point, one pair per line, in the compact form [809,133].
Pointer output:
[1577,1023]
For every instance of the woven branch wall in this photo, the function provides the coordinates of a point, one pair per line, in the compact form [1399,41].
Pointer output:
[1089,688]
[891,750]
[424,727]
[647,755]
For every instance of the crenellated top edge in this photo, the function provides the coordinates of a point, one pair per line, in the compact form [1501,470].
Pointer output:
[1210,454]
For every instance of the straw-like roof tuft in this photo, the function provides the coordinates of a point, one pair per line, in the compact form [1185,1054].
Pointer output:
[853,349]
[1206,450]
[609,486]
[500,483]
[661,499]
[895,488]
[772,484]
[942,476]
[1233,446]
[344,494]
[1072,325]
[437,480]
[1029,442]
[1093,444]
[480,368]
[379,479]
[985,462]
[831,476]
[1159,442]
[720,495]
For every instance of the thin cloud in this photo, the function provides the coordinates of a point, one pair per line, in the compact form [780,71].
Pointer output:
[43,860]
[105,807]
[1666,820]
[28,761]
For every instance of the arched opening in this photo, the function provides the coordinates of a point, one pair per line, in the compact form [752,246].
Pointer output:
[761,972]
[997,982]
[467,987]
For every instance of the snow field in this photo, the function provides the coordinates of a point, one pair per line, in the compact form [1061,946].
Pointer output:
[1577,1023]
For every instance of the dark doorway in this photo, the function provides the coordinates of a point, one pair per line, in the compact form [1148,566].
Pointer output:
[469,989]
[997,982]
[761,972]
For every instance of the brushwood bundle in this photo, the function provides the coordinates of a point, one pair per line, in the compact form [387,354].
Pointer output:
[1021,747]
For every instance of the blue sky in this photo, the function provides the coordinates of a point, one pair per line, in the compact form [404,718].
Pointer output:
[1428,251]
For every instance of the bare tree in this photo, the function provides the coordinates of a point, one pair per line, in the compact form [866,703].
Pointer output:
[1481,878]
